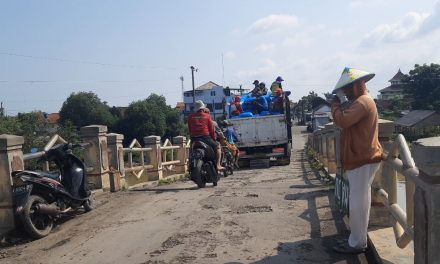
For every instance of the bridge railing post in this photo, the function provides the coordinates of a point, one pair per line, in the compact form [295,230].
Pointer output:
[116,161]
[324,136]
[331,151]
[155,157]
[11,159]
[181,154]
[426,154]
[96,156]
[386,178]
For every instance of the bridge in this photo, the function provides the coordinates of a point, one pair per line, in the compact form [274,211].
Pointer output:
[284,214]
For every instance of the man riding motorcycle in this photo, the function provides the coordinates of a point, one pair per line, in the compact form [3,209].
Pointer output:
[201,127]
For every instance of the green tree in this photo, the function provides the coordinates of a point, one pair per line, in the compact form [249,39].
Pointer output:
[151,116]
[307,100]
[423,86]
[85,108]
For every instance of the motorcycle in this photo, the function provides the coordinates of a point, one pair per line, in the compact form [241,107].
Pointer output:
[202,164]
[228,161]
[39,198]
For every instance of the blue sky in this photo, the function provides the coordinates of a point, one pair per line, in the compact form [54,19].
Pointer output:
[125,50]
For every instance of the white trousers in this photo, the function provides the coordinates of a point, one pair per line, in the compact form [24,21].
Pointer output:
[360,180]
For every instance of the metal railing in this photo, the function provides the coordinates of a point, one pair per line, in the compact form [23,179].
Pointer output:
[400,161]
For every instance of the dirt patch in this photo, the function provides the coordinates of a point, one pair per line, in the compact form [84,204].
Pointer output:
[58,244]
[172,241]
[253,209]
[251,195]
[184,259]
[211,255]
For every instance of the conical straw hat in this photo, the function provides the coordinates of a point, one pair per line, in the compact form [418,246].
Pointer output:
[351,75]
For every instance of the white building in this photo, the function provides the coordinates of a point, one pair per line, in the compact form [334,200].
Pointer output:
[213,95]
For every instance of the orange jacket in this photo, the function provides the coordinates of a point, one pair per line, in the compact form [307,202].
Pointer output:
[360,132]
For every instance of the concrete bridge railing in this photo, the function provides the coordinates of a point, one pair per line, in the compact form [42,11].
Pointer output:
[420,170]
[110,166]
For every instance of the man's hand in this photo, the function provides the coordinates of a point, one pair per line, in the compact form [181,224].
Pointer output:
[336,100]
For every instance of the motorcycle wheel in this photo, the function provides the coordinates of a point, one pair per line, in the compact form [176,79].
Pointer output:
[88,205]
[36,225]
[196,174]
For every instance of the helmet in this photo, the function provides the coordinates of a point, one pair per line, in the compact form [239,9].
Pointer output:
[256,82]
[262,84]
[279,79]
[226,123]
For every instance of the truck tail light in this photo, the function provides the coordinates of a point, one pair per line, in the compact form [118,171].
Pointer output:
[278,150]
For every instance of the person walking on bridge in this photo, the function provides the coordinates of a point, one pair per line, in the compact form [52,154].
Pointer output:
[360,149]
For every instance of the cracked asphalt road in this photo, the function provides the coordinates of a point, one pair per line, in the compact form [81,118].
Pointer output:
[278,215]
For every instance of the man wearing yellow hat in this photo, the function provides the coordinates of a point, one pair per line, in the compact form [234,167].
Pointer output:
[360,150]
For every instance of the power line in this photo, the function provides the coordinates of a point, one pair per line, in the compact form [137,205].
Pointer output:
[97,81]
[87,62]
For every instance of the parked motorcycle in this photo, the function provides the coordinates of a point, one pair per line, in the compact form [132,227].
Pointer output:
[202,164]
[42,197]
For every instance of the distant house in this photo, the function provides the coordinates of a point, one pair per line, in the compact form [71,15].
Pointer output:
[213,95]
[396,90]
[53,118]
[321,114]
[418,119]
[180,106]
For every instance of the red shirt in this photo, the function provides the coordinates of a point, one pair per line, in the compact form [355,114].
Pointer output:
[200,124]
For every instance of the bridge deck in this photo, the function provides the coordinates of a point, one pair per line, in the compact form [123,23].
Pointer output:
[278,215]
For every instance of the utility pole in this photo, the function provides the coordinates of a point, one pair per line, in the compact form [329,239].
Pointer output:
[194,92]
[183,90]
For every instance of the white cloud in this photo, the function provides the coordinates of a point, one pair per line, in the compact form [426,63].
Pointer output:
[273,23]
[402,30]
[229,55]
[432,22]
[362,3]
[264,47]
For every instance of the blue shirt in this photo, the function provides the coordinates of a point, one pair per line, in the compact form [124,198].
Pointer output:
[231,135]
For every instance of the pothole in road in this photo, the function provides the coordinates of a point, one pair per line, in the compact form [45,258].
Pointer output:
[253,209]
[251,195]
[172,241]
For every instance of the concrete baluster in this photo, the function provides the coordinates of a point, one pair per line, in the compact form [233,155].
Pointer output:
[325,135]
[155,157]
[331,151]
[181,154]
[386,178]
[96,156]
[11,159]
[426,154]
[116,161]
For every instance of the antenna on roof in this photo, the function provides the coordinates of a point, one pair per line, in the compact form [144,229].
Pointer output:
[183,90]
[223,72]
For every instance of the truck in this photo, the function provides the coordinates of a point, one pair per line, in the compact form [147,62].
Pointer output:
[267,137]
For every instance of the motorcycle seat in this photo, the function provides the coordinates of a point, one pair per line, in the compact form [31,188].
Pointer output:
[55,175]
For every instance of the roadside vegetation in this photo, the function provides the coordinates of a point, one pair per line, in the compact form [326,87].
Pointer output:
[150,116]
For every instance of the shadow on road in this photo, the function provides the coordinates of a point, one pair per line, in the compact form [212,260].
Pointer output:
[317,249]
[162,190]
